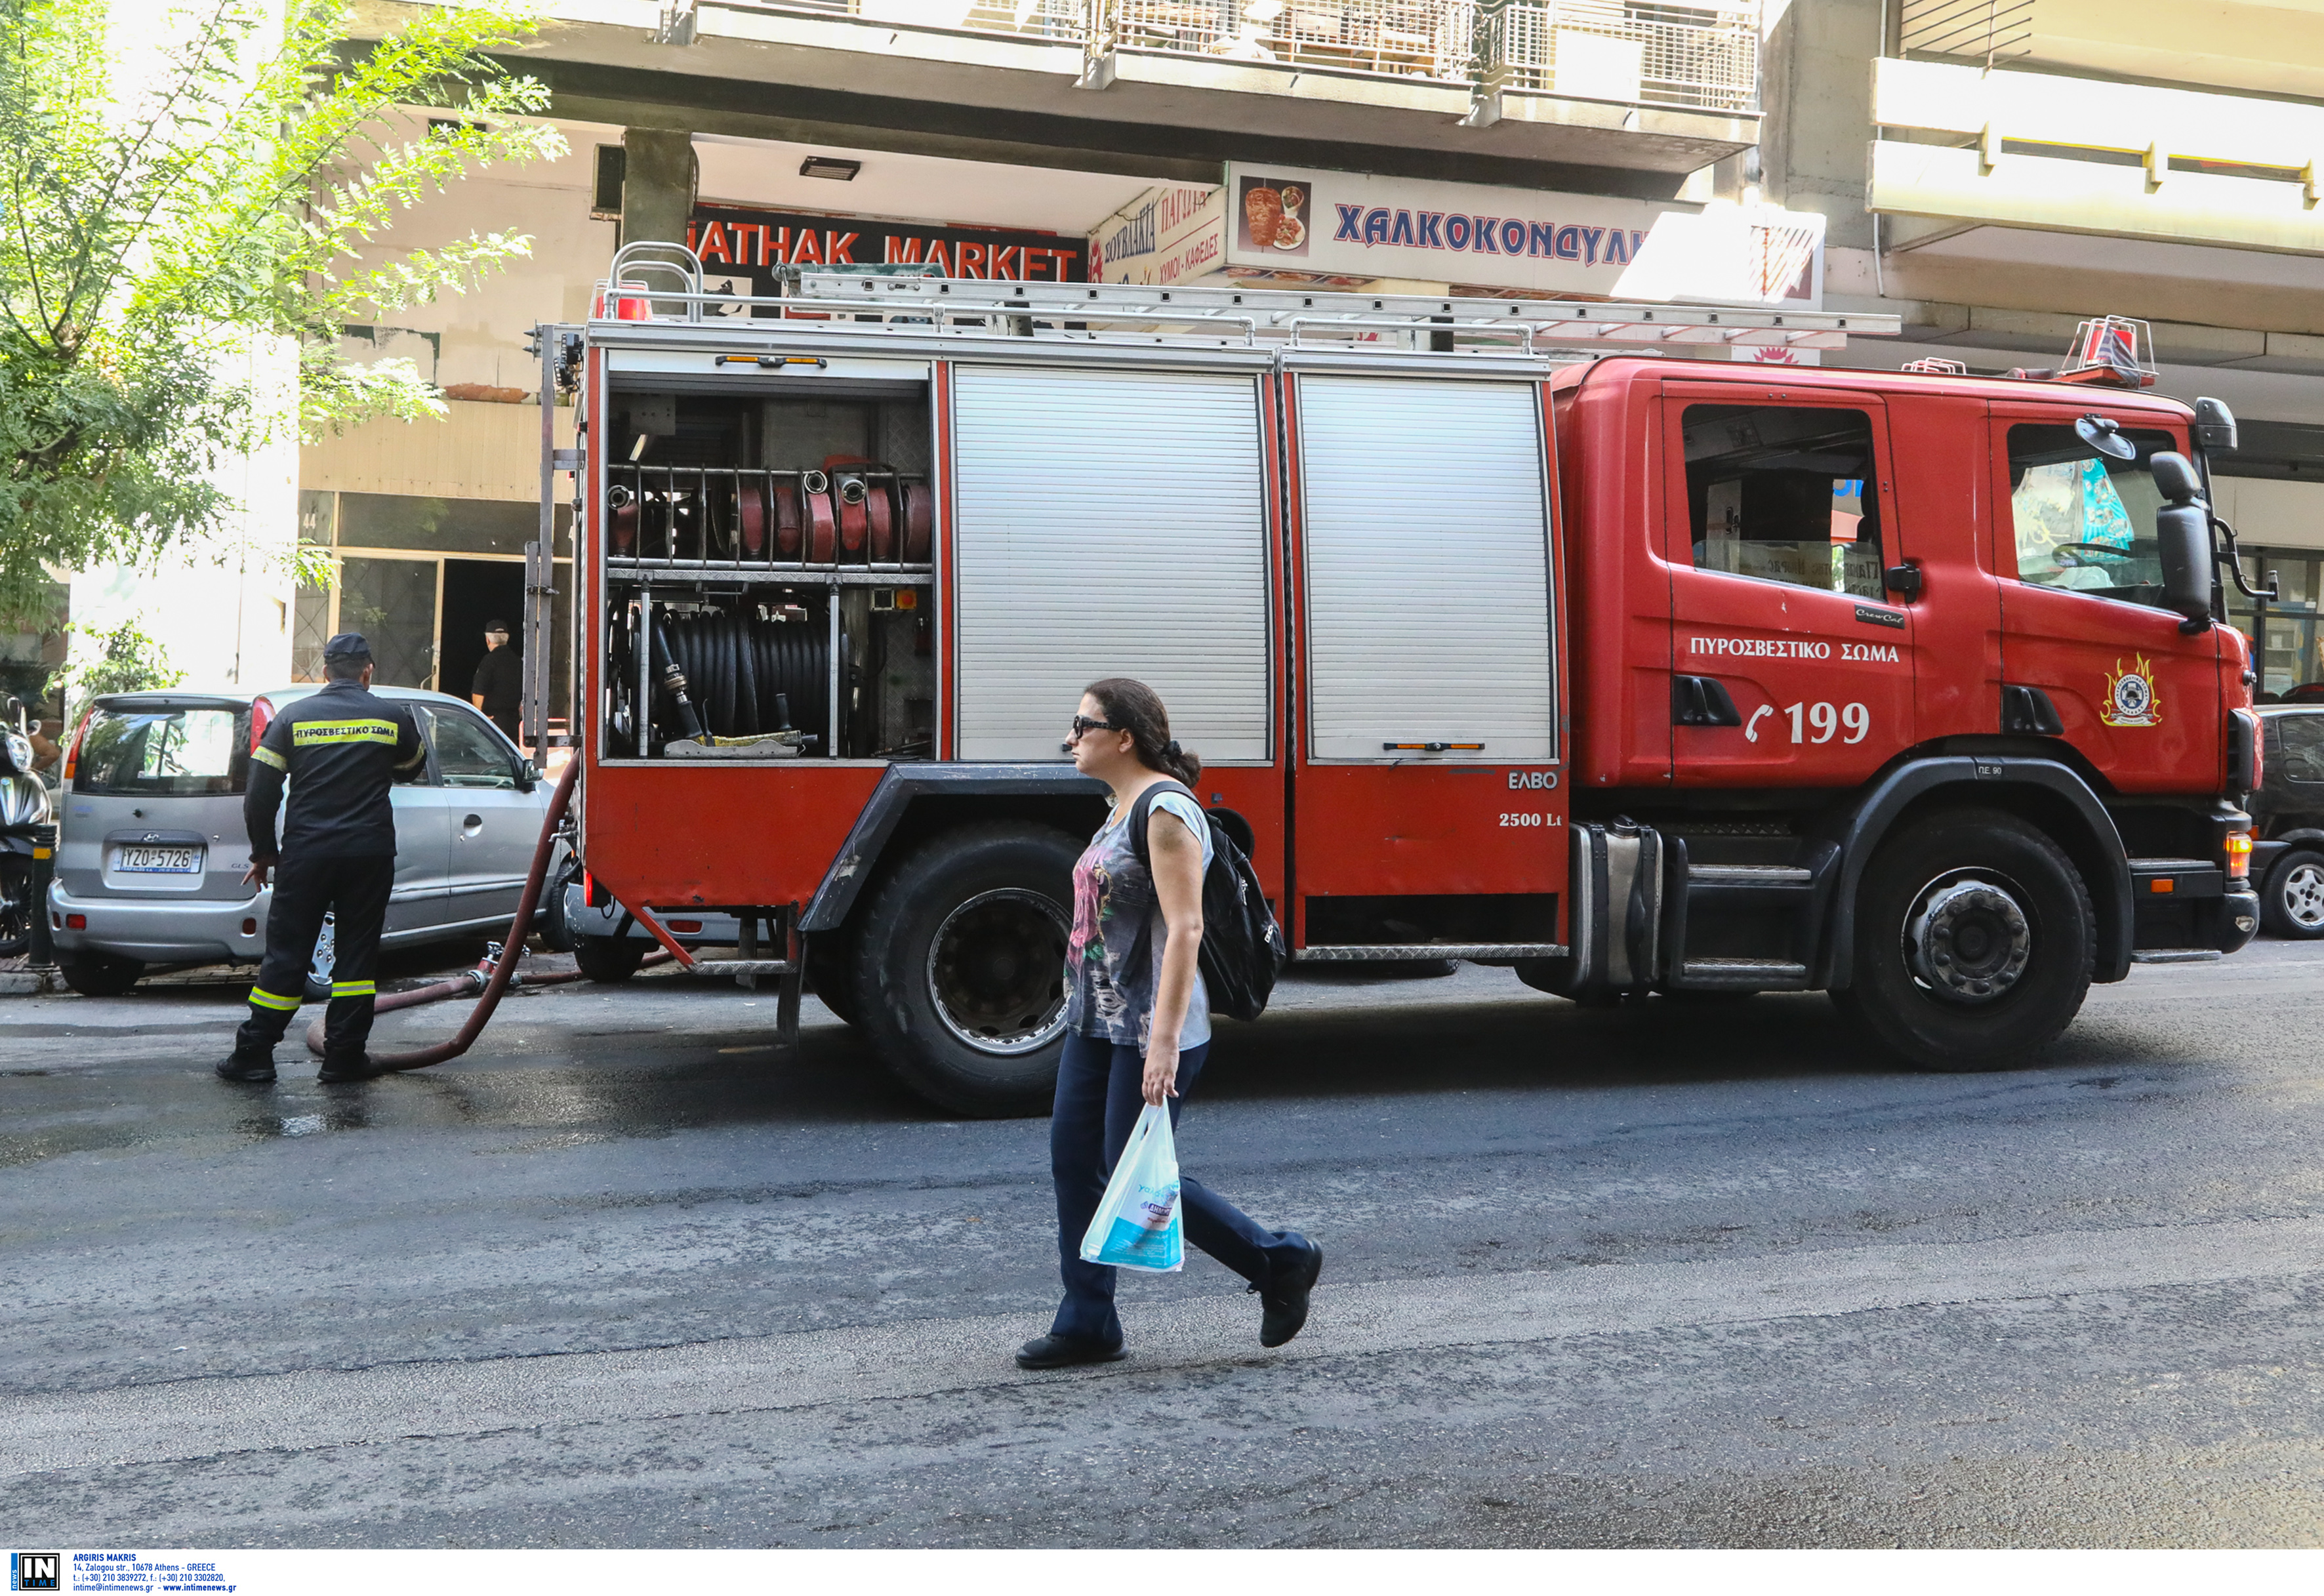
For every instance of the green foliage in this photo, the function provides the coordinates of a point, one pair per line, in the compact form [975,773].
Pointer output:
[128,661]
[164,249]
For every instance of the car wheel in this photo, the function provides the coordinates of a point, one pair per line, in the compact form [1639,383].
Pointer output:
[829,972]
[608,960]
[549,921]
[99,975]
[960,968]
[322,962]
[15,905]
[1974,943]
[2292,904]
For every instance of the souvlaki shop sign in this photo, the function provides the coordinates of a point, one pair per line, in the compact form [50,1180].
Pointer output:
[1344,224]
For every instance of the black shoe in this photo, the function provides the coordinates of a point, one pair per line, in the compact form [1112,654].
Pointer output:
[1063,1351]
[1283,1303]
[351,1069]
[257,1069]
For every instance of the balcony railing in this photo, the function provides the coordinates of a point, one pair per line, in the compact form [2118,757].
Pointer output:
[1681,56]
[1628,51]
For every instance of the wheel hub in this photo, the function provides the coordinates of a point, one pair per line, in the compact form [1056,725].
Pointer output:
[997,970]
[1968,940]
[2303,896]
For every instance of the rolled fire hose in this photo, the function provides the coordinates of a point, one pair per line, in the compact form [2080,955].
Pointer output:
[854,495]
[882,507]
[822,531]
[754,501]
[786,521]
[919,521]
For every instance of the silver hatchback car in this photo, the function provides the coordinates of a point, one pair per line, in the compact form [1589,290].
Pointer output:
[152,849]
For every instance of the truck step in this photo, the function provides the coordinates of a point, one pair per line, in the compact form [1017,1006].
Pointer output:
[1748,875]
[2175,956]
[1758,974]
[1352,952]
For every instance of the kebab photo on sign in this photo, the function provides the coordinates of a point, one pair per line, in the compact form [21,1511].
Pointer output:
[1274,215]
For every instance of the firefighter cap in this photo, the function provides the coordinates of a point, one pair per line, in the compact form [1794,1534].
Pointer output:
[348,645]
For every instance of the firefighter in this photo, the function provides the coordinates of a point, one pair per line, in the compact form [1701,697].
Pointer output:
[340,748]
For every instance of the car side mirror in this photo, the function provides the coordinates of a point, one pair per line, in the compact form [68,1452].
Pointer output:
[527,776]
[2183,532]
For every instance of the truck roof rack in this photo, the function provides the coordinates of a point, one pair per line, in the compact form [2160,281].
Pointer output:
[1293,316]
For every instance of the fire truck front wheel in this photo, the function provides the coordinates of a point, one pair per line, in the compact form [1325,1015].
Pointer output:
[960,968]
[1974,943]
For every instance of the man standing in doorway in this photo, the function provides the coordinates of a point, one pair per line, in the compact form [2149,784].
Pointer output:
[499,685]
[340,750]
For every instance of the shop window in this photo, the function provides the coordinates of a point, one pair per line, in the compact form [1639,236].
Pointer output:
[392,603]
[2083,522]
[448,526]
[1784,494]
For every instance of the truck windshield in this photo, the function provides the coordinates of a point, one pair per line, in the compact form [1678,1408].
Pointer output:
[164,752]
[2083,521]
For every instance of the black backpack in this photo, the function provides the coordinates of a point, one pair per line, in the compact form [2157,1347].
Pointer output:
[1243,949]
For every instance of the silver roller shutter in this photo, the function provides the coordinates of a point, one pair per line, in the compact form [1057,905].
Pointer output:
[1109,523]
[1427,567]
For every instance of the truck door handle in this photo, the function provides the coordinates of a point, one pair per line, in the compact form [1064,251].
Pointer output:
[1903,580]
[1703,701]
[1429,747]
[2028,710]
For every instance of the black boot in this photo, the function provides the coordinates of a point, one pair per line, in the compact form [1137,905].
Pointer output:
[1065,1351]
[1283,1303]
[359,1068]
[243,1064]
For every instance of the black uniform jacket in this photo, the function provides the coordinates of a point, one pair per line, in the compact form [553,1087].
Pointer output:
[341,748]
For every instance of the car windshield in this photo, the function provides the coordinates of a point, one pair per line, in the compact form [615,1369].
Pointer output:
[158,752]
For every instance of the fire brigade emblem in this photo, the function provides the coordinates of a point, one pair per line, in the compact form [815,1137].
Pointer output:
[2130,699]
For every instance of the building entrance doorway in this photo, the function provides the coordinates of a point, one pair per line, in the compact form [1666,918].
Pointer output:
[477,591]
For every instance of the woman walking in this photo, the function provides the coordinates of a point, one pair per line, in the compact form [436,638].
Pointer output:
[1138,1026]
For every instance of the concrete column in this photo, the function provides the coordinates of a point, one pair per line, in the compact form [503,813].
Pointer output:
[1815,78]
[658,177]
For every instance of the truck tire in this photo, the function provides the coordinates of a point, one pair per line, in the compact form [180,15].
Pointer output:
[1974,943]
[2291,904]
[608,960]
[960,968]
[99,974]
[830,973]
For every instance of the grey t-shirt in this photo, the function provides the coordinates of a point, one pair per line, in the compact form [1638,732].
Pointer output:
[1113,958]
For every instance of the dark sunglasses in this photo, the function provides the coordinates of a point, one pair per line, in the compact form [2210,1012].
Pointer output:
[1082,723]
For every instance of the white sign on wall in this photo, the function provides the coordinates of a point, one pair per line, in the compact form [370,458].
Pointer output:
[1340,223]
[1345,223]
[1166,236]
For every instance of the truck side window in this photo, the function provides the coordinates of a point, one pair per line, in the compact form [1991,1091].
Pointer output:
[2302,748]
[1785,493]
[2083,522]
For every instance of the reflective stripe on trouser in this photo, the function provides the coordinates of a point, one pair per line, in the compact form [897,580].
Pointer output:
[354,891]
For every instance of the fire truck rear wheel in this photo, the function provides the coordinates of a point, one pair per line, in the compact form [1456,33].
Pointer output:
[608,959]
[960,968]
[1974,943]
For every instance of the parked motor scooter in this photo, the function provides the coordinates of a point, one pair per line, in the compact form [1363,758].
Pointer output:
[24,808]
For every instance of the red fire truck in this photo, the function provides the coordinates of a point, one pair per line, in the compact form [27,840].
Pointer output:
[1631,673]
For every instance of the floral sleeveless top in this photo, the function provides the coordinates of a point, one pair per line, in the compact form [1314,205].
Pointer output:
[1113,958]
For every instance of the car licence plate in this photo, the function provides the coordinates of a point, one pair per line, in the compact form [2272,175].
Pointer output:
[158,860]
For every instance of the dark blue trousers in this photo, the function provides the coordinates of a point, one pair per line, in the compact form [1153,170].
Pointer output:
[1098,1101]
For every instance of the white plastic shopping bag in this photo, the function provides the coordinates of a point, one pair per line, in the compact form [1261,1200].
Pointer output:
[1137,1225]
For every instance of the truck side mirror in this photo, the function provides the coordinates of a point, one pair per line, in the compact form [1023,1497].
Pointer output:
[2183,531]
[2215,427]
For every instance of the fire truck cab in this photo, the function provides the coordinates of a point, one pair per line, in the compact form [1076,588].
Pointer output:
[1635,673]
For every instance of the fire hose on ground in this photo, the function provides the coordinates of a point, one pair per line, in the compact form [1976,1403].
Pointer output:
[495,974]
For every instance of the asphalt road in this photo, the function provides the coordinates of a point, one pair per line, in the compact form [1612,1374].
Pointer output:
[1679,1275]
